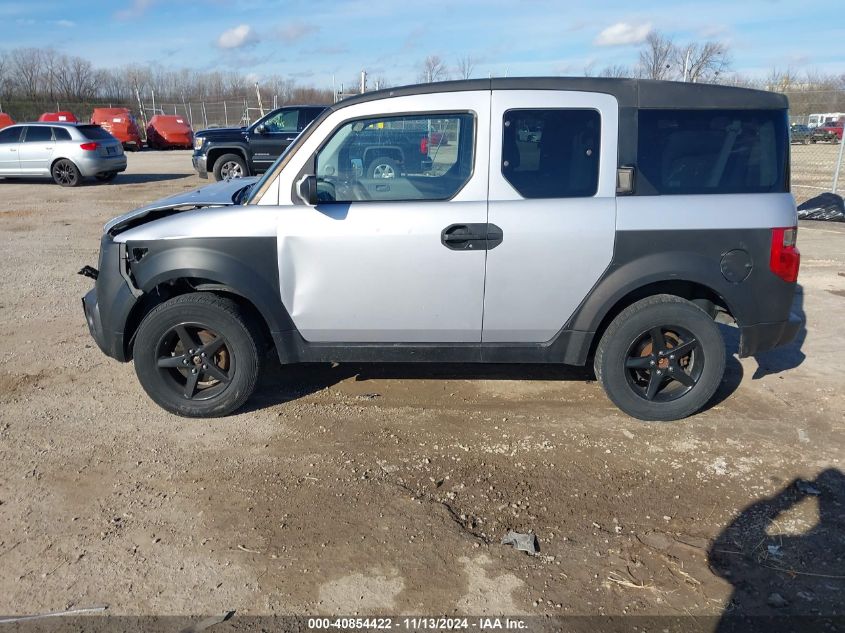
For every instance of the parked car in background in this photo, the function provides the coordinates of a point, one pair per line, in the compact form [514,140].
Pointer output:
[120,123]
[799,133]
[168,131]
[830,132]
[382,149]
[67,152]
[5,120]
[815,120]
[58,117]
[237,152]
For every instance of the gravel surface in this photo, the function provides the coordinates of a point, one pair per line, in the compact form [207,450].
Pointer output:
[387,489]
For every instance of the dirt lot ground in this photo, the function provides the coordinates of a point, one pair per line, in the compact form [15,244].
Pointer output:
[353,489]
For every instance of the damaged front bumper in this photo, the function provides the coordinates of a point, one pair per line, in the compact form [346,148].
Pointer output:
[108,306]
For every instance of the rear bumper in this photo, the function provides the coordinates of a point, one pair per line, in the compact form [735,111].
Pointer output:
[101,164]
[765,336]
[199,162]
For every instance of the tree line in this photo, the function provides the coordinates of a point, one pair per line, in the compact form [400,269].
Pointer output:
[43,75]
[707,61]
[42,78]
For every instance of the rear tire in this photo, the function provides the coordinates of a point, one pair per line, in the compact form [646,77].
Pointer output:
[65,173]
[640,373]
[229,166]
[197,356]
[383,167]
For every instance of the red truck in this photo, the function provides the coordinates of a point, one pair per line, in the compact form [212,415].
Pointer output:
[830,131]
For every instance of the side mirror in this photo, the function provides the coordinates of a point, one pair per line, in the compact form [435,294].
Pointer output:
[261,129]
[306,190]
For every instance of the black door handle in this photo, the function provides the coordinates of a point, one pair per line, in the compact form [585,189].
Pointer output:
[476,236]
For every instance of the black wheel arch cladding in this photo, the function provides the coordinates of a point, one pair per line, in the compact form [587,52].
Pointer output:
[245,266]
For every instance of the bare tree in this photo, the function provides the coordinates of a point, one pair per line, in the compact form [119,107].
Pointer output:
[433,69]
[27,70]
[701,61]
[465,67]
[617,71]
[657,57]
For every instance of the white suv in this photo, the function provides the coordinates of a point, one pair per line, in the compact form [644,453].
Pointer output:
[633,215]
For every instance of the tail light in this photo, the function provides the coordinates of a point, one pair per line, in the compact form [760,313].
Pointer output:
[89,147]
[424,145]
[785,258]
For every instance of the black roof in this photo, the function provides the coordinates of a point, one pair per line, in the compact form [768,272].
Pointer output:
[630,93]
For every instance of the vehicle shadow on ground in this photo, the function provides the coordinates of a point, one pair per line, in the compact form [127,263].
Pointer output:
[733,368]
[777,572]
[789,356]
[138,179]
[284,383]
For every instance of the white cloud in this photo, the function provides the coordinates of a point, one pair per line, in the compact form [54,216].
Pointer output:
[296,31]
[623,33]
[238,37]
[68,24]
[136,9]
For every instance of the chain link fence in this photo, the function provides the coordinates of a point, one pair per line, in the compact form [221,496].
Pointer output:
[816,156]
[200,114]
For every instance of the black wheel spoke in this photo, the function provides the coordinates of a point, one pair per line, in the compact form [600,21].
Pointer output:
[171,362]
[684,348]
[215,372]
[683,378]
[191,384]
[638,362]
[189,341]
[654,382]
[658,343]
[212,347]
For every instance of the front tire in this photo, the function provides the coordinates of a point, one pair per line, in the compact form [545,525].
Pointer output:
[661,358]
[196,355]
[229,166]
[65,173]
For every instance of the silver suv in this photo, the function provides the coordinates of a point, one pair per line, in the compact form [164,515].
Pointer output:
[67,152]
[636,215]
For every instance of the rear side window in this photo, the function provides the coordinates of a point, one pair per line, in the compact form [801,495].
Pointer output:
[712,151]
[94,133]
[61,134]
[552,153]
[38,134]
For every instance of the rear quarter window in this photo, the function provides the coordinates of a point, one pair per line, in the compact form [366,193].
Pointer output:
[94,133]
[61,134]
[712,151]
[552,153]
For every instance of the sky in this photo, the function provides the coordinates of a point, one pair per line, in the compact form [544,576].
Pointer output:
[319,42]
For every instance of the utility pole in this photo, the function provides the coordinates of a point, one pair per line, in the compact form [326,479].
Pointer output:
[838,165]
[686,64]
[363,81]
[140,105]
[258,94]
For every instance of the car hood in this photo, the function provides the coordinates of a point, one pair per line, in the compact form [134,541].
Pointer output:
[219,194]
[222,133]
